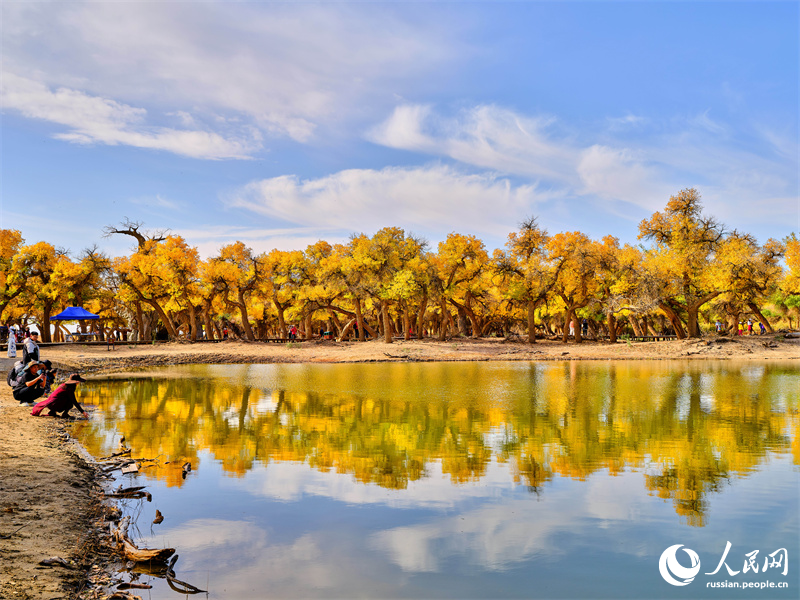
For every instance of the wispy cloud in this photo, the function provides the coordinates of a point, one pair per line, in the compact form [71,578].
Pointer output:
[638,170]
[483,136]
[96,120]
[273,67]
[422,199]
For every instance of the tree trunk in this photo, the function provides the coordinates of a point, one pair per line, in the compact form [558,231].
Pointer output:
[649,326]
[443,326]
[165,319]
[336,323]
[473,318]
[421,316]
[406,323]
[48,310]
[692,323]
[248,331]
[387,323]
[637,331]
[360,321]
[346,330]
[207,327]
[139,322]
[281,319]
[674,320]
[531,321]
[462,321]
[611,325]
[192,322]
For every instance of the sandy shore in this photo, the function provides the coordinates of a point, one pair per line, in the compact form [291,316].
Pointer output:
[50,502]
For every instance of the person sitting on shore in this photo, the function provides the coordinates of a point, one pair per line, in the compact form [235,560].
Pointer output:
[30,384]
[61,400]
[30,349]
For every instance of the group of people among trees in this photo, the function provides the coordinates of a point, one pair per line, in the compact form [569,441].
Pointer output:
[390,284]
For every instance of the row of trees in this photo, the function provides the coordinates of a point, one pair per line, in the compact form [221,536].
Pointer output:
[390,284]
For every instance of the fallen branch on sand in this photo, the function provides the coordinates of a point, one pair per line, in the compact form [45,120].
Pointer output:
[8,535]
[56,561]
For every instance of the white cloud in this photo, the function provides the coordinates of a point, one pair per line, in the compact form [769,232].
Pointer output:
[291,482]
[95,120]
[638,172]
[615,174]
[484,136]
[419,199]
[500,537]
[531,147]
[280,68]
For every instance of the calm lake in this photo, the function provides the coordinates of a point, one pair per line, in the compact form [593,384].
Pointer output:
[465,480]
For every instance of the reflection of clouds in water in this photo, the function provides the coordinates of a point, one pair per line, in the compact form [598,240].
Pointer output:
[498,537]
[291,481]
[245,565]
[571,524]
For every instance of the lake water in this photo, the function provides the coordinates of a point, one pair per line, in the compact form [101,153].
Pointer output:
[465,480]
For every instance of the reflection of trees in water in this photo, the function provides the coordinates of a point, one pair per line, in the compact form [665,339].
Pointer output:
[689,431]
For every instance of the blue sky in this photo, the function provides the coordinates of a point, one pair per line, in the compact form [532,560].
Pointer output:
[279,124]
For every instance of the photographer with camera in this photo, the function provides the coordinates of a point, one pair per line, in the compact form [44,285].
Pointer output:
[49,375]
[30,383]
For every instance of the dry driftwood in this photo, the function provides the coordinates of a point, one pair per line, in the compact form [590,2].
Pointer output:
[134,586]
[56,561]
[8,536]
[132,552]
[116,454]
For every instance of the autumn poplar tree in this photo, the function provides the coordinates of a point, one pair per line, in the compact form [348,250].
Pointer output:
[575,284]
[684,255]
[12,283]
[459,264]
[37,263]
[240,272]
[526,269]
[617,278]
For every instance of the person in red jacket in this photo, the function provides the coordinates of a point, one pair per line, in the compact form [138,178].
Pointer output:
[62,399]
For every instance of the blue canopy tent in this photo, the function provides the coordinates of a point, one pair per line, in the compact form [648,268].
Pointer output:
[74,313]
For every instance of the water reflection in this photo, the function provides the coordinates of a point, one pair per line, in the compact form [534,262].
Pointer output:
[689,428]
